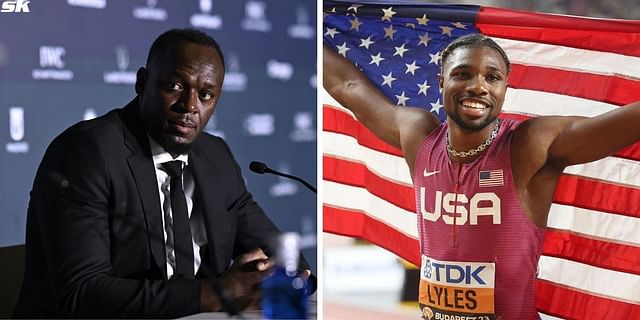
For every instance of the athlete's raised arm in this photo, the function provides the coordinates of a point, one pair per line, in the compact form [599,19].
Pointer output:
[579,140]
[402,127]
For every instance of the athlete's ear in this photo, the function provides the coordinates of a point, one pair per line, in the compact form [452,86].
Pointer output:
[440,81]
[141,80]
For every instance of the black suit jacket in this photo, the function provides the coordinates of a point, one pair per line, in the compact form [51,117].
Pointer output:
[95,245]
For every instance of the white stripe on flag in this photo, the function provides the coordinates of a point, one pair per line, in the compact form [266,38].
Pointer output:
[546,103]
[567,58]
[594,280]
[390,167]
[595,224]
[610,169]
[359,199]
[547,317]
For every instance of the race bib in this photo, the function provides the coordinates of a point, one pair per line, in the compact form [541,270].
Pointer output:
[453,290]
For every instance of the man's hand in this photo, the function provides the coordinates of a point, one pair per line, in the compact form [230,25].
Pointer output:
[240,285]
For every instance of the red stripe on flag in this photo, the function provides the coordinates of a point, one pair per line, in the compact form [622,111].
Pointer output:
[552,299]
[337,121]
[599,253]
[357,174]
[605,88]
[631,152]
[571,190]
[618,36]
[357,224]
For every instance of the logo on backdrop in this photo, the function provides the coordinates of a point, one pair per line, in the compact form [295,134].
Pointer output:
[89,114]
[16,131]
[150,12]
[308,236]
[93,4]
[259,124]
[205,19]
[234,80]
[122,76]
[212,127]
[302,29]
[19,6]
[279,70]
[303,129]
[52,65]
[255,18]
[284,187]
[313,81]
[4,54]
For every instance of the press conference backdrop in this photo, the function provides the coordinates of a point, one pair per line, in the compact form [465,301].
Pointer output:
[69,60]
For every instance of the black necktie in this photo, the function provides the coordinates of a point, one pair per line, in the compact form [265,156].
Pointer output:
[183,248]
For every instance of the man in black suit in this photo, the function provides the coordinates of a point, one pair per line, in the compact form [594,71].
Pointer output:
[103,235]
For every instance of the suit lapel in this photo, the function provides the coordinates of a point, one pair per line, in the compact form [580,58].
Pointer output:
[216,221]
[143,171]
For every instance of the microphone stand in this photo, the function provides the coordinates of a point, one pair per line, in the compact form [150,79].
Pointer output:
[261,168]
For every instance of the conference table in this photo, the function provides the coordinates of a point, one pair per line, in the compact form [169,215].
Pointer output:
[253,314]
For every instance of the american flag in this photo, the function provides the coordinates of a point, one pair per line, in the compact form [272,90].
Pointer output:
[491,178]
[562,65]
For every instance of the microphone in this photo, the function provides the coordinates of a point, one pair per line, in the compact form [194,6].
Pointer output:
[261,168]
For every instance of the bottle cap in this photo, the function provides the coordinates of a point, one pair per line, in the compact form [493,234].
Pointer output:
[288,252]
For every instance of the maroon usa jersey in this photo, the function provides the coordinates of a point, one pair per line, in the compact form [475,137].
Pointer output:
[479,250]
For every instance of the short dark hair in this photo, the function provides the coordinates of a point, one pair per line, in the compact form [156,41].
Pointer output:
[174,36]
[474,40]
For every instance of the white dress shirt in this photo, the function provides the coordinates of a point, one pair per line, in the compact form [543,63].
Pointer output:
[196,222]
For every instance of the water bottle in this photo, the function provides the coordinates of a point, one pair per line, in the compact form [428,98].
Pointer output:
[284,292]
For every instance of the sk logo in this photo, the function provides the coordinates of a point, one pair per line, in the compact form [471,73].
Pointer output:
[15,6]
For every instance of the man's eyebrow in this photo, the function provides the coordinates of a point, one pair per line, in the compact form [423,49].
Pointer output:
[173,74]
[461,66]
[492,68]
[468,66]
[208,85]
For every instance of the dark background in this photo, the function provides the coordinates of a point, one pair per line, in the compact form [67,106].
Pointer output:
[270,117]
